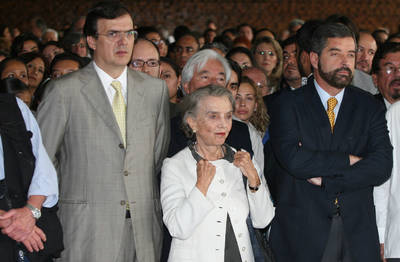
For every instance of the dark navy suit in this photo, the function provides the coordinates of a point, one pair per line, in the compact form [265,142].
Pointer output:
[305,147]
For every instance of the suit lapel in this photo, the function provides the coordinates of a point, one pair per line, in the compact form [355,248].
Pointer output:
[94,93]
[320,120]
[135,90]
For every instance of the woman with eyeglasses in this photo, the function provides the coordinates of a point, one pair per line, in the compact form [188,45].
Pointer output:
[268,55]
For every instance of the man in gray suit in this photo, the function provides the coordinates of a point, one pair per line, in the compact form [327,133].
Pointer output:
[106,128]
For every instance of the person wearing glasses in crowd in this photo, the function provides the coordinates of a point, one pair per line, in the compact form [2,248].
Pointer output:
[151,33]
[107,128]
[259,77]
[146,58]
[268,55]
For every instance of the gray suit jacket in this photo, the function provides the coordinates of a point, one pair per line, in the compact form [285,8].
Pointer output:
[364,82]
[97,175]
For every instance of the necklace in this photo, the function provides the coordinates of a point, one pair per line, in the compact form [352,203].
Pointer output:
[219,154]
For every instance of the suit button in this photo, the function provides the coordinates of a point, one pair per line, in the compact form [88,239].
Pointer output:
[123,202]
[223,194]
[221,181]
[126,173]
[121,145]
[240,235]
[243,248]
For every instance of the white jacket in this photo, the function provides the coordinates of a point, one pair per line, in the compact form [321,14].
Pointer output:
[197,223]
[387,196]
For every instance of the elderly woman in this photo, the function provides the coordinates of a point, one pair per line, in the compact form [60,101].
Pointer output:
[203,195]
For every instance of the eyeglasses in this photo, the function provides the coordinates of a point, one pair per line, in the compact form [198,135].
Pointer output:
[157,42]
[391,69]
[262,85]
[116,35]
[150,63]
[263,52]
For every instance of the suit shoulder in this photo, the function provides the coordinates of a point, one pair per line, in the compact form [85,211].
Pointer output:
[362,94]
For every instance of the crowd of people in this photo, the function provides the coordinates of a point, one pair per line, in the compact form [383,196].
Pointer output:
[119,143]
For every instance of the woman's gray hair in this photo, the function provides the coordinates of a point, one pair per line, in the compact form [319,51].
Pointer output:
[198,61]
[191,102]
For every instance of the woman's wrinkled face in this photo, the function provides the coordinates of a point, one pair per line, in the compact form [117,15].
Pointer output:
[245,102]
[213,121]
[35,72]
[15,69]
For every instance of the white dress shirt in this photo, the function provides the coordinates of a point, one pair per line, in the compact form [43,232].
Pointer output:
[106,80]
[324,96]
[197,223]
[44,180]
[387,196]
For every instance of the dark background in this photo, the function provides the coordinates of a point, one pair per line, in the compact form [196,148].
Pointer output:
[274,14]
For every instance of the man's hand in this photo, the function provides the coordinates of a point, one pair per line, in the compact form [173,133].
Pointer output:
[316,181]
[22,223]
[34,242]
[383,253]
[354,159]
[4,222]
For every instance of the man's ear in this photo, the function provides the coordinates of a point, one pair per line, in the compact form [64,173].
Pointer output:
[91,40]
[186,88]
[314,59]
[375,80]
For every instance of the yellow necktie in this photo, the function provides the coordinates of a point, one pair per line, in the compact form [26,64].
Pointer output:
[332,102]
[119,108]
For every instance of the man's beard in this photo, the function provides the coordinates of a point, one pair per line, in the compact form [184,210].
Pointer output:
[333,78]
[396,92]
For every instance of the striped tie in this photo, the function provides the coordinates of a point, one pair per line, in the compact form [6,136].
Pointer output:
[119,108]
[332,102]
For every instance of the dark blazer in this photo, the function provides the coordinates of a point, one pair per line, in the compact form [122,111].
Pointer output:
[379,97]
[305,147]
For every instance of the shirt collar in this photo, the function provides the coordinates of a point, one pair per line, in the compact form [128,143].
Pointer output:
[324,96]
[106,79]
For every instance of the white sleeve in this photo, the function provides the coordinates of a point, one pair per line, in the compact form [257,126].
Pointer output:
[261,208]
[182,213]
[44,180]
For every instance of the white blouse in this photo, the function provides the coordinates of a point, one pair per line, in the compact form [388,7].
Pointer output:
[197,223]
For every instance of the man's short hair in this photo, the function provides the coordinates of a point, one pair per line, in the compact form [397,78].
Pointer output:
[288,41]
[66,56]
[142,39]
[383,50]
[304,35]
[192,35]
[329,30]
[103,10]
[197,62]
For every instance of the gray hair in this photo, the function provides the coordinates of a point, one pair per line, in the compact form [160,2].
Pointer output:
[190,104]
[198,61]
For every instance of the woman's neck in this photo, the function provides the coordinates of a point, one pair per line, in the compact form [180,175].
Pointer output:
[209,153]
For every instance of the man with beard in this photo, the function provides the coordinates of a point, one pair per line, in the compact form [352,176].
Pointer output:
[332,146]
[385,73]
[386,76]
